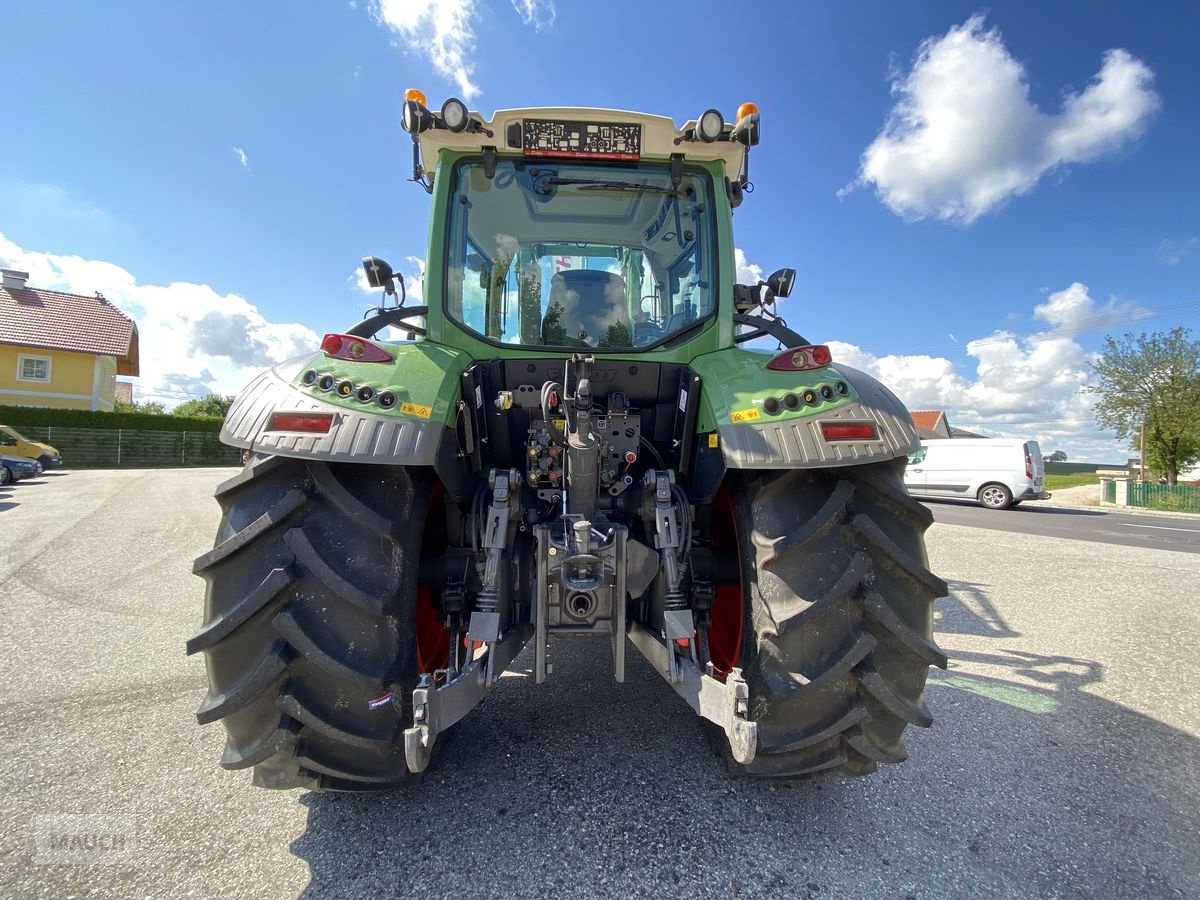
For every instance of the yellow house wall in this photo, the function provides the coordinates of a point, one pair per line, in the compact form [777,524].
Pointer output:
[77,380]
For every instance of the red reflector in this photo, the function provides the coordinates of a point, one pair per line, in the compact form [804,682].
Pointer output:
[835,432]
[800,359]
[355,349]
[315,423]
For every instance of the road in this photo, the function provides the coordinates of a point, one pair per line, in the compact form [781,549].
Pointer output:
[1180,533]
[1063,762]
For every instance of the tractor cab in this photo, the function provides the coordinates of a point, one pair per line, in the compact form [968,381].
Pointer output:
[574,229]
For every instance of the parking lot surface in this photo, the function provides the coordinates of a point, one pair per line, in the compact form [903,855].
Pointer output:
[1064,760]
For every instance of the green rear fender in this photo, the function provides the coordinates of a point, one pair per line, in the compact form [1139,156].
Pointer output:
[758,418]
[411,406]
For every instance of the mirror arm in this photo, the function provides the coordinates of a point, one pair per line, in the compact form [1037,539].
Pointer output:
[371,325]
[771,327]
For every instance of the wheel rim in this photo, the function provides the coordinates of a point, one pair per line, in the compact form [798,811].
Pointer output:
[725,629]
[993,496]
[433,638]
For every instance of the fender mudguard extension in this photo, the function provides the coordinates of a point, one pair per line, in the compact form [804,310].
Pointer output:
[797,443]
[354,436]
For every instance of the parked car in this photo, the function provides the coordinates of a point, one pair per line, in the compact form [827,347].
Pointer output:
[996,472]
[16,468]
[13,443]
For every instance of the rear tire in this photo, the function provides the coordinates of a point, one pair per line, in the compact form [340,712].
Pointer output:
[838,630]
[995,496]
[310,614]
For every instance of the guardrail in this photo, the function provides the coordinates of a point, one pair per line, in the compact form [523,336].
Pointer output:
[1174,498]
[111,448]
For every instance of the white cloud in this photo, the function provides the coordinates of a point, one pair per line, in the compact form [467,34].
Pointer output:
[1172,253]
[747,272]
[1020,386]
[964,135]
[192,339]
[444,32]
[539,14]
[1073,310]
[441,29]
[241,157]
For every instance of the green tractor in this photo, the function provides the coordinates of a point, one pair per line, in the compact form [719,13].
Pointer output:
[570,439]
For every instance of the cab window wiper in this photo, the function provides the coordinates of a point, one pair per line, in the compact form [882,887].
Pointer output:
[598,185]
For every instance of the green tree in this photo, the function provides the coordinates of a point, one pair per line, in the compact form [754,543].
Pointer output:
[147,407]
[1057,456]
[216,405]
[1152,382]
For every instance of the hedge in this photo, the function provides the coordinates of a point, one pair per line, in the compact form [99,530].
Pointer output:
[17,416]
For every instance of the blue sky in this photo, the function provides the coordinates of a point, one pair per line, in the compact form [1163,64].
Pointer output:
[1025,179]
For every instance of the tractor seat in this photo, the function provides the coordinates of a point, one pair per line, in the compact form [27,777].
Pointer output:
[588,308]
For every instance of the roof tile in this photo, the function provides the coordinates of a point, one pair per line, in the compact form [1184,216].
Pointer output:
[54,320]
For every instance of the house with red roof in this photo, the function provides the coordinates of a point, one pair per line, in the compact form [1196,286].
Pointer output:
[931,423]
[59,350]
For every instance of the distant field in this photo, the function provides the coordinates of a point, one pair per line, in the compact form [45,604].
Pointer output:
[1061,482]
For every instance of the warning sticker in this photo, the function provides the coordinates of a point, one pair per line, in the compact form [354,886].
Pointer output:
[745,415]
[712,440]
[415,409]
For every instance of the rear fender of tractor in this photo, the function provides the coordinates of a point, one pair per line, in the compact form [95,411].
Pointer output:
[752,417]
[406,417]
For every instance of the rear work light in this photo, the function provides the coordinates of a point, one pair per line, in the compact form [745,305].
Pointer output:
[311,423]
[833,431]
[800,359]
[355,349]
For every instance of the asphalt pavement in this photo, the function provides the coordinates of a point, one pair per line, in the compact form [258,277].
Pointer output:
[1054,518]
[1064,760]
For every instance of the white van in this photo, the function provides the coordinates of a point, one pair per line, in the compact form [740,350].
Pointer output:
[997,472]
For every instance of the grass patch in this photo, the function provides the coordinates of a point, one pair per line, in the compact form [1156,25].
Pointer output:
[1062,482]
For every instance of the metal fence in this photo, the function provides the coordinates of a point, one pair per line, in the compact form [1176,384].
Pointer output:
[107,448]
[1177,498]
[1110,490]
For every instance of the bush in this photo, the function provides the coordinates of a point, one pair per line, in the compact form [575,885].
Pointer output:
[16,416]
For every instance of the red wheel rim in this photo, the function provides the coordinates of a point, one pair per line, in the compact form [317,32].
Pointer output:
[433,638]
[725,629]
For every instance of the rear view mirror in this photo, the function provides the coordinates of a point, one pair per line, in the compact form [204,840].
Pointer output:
[780,282]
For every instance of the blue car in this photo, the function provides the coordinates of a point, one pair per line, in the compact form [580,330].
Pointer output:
[15,468]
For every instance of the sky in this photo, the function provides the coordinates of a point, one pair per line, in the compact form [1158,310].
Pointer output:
[973,198]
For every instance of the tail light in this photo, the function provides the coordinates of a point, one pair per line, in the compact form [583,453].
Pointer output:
[313,423]
[355,349]
[800,359]
[854,431]
[1028,464]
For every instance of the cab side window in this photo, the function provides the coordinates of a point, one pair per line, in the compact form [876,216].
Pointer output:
[916,456]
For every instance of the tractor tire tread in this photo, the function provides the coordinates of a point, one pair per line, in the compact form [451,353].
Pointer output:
[840,622]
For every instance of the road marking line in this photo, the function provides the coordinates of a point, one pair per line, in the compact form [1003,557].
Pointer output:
[1162,528]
